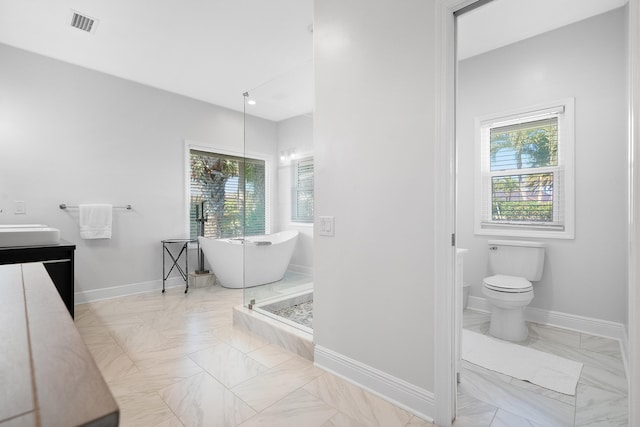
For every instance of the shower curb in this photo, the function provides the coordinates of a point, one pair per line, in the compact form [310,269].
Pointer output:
[275,332]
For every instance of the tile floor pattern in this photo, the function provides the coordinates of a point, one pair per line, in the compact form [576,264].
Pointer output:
[177,360]
[487,398]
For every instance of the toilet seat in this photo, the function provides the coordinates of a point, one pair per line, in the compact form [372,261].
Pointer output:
[507,284]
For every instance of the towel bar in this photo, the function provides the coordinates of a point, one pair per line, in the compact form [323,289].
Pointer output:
[64,206]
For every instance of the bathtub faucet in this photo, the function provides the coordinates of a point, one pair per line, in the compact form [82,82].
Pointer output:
[200,220]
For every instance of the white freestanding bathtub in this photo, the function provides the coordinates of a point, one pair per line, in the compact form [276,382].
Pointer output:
[250,261]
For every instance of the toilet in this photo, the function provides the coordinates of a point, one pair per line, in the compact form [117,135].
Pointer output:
[515,264]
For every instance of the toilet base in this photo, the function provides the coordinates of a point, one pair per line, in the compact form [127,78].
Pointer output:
[508,324]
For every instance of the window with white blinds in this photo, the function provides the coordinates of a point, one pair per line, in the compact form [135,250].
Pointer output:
[302,197]
[526,173]
[232,192]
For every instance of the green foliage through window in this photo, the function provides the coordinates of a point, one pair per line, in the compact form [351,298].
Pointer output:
[232,190]
[526,198]
[529,146]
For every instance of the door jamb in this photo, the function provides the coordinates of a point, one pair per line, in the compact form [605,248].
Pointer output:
[444,227]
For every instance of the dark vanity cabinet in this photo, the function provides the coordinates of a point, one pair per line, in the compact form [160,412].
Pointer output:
[57,260]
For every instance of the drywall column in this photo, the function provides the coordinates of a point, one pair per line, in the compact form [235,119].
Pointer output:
[374,153]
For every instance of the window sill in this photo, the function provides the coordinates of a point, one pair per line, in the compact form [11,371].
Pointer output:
[524,232]
[301,224]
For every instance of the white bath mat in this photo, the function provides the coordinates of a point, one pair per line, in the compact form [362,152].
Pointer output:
[544,369]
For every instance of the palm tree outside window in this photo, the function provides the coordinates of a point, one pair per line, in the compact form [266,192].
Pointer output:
[233,192]
[526,165]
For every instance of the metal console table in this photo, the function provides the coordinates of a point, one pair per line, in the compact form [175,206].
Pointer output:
[182,244]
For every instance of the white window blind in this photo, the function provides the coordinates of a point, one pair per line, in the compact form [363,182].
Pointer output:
[302,197]
[232,191]
[524,159]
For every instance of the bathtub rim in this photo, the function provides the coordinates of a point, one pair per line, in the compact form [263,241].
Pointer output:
[251,238]
[214,244]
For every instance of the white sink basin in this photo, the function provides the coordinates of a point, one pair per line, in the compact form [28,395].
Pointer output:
[28,235]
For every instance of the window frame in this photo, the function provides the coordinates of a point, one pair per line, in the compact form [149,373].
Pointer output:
[295,188]
[268,165]
[564,178]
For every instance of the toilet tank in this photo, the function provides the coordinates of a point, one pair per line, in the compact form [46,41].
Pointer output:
[517,258]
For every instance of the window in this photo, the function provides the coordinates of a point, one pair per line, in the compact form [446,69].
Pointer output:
[525,182]
[232,192]
[302,197]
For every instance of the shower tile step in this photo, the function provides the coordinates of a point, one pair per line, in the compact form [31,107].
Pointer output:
[274,331]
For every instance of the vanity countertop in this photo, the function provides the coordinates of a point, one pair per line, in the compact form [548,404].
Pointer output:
[51,378]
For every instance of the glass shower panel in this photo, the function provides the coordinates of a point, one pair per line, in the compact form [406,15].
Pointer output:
[278,202]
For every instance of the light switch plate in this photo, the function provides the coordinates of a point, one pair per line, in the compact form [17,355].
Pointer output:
[20,207]
[327,225]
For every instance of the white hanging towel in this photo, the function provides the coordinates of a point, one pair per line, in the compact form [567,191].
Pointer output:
[95,221]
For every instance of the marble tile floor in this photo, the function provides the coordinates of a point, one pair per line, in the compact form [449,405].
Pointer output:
[487,398]
[177,360]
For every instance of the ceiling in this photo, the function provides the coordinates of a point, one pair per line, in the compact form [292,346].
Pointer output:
[215,50]
[503,22]
[211,50]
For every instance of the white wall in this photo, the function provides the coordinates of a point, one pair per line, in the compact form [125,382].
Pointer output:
[71,135]
[374,152]
[586,276]
[294,134]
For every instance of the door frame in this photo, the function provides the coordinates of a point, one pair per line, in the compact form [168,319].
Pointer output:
[633,332]
[445,386]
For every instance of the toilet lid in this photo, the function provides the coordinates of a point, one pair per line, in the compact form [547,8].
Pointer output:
[504,283]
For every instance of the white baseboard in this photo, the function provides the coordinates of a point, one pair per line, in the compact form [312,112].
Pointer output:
[478,304]
[587,325]
[414,399]
[82,297]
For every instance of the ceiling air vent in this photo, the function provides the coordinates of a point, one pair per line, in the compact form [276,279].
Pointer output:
[83,22]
